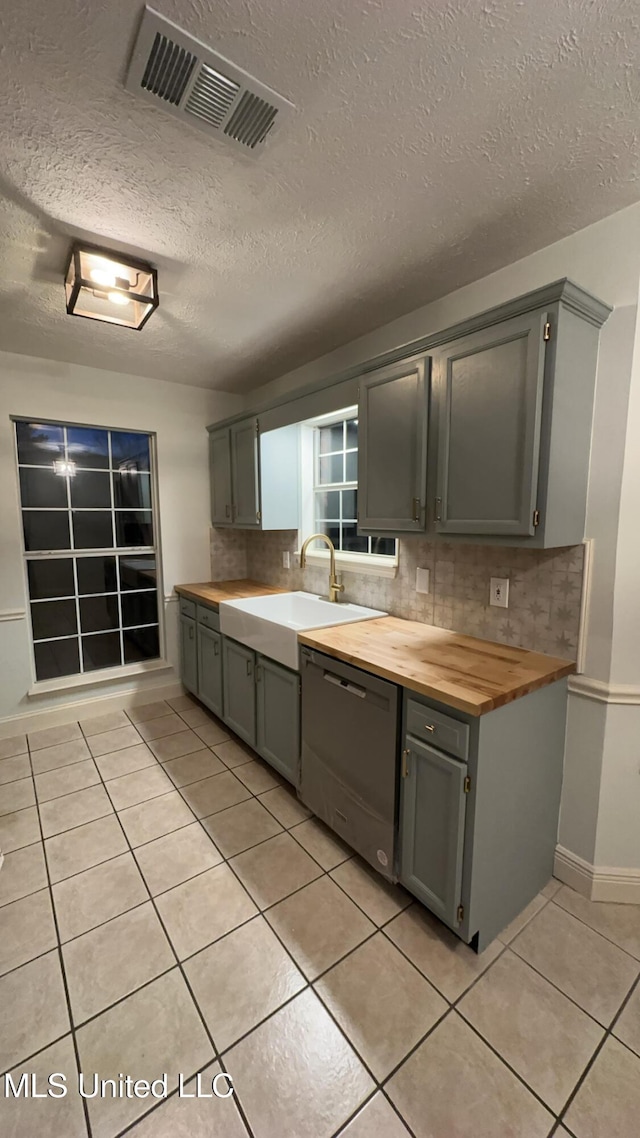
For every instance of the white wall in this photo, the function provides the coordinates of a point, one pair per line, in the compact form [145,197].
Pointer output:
[601,795]
[42,389]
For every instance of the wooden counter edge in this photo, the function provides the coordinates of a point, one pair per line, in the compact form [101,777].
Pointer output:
[483,704]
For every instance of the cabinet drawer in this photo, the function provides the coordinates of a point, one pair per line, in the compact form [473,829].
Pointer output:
[209,617]
[187,608]
[442,731]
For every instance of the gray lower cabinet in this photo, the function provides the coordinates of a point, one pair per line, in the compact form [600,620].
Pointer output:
[210,669]
[432,821]
[188,653]
[488,388]
[392,449]
[239,703]
[278,717]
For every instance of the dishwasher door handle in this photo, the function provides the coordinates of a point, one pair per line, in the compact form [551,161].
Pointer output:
[353,689]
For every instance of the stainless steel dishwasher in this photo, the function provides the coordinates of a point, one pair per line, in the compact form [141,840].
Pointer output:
[349,755]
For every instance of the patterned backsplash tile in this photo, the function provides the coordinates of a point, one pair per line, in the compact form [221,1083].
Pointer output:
[545,586]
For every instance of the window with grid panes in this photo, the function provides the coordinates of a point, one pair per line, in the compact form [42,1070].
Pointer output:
[336,489]
[90,547]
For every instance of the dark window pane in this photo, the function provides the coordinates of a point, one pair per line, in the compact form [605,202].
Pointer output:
[331,469]
[57,658]
[134,528]
[331,438]
[92,530]
[43,488]
[383,546]
[141,644]
[352,467]
[132,491]
[98,613]
[51,578]
[351,543]
[96,574]
[349,505]
[101,651]
[53,618]
[138,572]
[352,433]
[88,447]
[129,451]
[45,530]
[139,608]
[91,489]
[328,505]
[39,444]
[332,531]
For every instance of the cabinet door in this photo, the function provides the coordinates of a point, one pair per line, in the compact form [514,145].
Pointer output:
[489,395]
[432,814]
[392,449]
[188,654]
[278,726]
[245,473]
[220,475]
[210,668]
[238,667]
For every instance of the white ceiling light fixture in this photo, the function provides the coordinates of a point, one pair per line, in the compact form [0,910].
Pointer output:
[101,285]
[184,76]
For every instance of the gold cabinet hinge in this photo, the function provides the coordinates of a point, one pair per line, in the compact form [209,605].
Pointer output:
[438,509]
[405,764]
[467,784]
[258,516]
[257,426]
[460,913]
[546,332]
[536,518]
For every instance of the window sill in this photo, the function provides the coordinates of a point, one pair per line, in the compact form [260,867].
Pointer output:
[366,565]
[90,679]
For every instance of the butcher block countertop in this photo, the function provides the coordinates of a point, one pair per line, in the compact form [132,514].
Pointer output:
[213,592]
[474,676]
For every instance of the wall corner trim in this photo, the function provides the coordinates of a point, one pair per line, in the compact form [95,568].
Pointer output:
[597,883]
[603,692]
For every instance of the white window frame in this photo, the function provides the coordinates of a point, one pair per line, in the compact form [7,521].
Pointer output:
[367,564]
[118,671]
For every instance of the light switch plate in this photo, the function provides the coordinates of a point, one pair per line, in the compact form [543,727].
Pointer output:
[422,580]
[499,592]
[286,559]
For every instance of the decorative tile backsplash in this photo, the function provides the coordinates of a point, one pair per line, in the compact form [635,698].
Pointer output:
[545,586]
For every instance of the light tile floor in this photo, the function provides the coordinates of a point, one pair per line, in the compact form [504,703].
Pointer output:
[167,905]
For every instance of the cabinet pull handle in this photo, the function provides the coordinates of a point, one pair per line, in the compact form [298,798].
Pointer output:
[438,509]
[416,509]
[248,667]
[216,648]
[429,727]
[405,763]
[190,632]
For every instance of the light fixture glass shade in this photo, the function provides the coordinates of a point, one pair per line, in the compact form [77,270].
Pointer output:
[100,285]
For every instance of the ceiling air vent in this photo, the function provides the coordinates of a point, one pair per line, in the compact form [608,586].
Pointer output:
[189,79]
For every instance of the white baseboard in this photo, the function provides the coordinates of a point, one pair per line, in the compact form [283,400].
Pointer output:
[86,708]
[597,883]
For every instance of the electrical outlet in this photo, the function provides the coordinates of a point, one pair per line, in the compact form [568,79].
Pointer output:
[286,559]
[499,592]
[422,580]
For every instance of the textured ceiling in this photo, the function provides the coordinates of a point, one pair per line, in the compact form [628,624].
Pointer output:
[433,142]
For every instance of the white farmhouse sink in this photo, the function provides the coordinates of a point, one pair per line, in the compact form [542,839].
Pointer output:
[271,624]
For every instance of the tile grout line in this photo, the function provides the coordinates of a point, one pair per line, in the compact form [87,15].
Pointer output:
[61,963]
[179,965]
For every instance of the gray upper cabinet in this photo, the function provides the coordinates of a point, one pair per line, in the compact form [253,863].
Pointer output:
[392,449]
[220,475]
[254,476]
[278,717]
[188,654]
[488,388]
[238,670]
[432,818]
